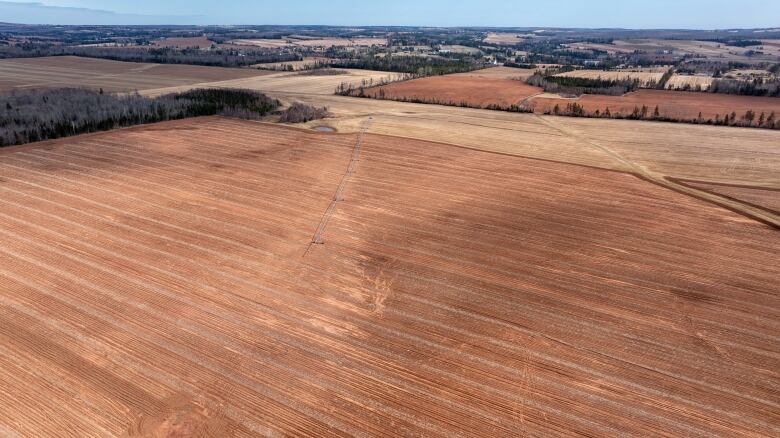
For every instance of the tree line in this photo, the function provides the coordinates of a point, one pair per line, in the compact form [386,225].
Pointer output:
[418,65]
[749,119]
[576,86]
[33,115]
[755,87]
[161,55]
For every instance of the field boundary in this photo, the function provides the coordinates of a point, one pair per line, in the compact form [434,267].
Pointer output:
[687,183]
[737,206]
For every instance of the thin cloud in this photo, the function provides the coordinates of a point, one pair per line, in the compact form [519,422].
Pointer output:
[39,13]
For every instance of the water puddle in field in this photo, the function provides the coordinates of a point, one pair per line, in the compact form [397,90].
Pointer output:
[324,129]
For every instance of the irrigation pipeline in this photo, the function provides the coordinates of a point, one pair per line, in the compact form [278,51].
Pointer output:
[339,196]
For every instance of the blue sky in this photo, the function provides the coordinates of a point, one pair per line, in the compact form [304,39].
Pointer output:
[710,14]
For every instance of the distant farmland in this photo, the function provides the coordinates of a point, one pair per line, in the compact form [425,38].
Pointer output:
[165,274]
[201,42]
[482,88]
[311,42]
[71,71]
[675,104]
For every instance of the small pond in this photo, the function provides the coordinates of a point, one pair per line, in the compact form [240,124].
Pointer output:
[324,129]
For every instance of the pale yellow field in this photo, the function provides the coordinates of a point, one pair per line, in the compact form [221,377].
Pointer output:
[461,49]
[677,82]
[287,82]
[734,155]
[644,77]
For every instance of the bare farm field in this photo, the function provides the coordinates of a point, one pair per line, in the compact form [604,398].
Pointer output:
[500,72]
[71,71]
[675,104]
[166,274]
[471,90]
[741,156]
[661,152]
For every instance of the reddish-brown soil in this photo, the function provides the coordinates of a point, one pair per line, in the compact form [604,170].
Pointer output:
[456,89]
[763,197]
[72,71]
[160,280]
[674,104]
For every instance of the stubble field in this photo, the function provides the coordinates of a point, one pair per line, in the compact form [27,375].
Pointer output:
[72,71]
[680,81]
[161,279]
[287,82]
[740,156]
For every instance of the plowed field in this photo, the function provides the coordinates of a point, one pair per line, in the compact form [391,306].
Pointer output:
[72,71]
[162,280]
[675,104]
[457,89]
[764,197]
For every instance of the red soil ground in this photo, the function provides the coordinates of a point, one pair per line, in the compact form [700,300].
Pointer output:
[160,279]
[675,104]
[72,71]
[763,197]
[476,91]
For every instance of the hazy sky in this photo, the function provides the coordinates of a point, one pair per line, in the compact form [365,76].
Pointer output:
[700,14]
